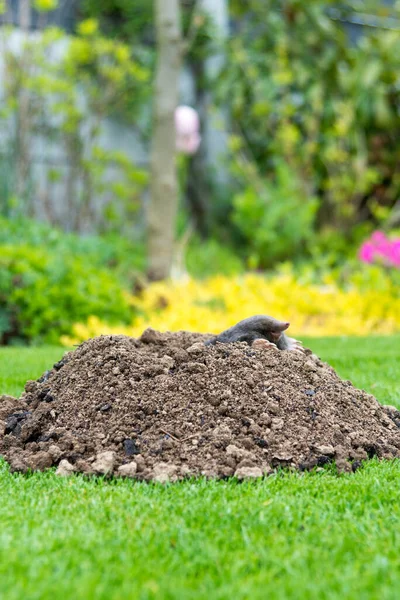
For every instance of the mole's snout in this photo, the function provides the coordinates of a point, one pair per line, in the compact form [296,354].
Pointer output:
[281,326]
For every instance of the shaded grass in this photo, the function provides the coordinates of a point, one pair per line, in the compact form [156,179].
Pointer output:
[290,536]
[17,365]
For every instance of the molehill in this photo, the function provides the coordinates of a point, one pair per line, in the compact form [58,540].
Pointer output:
[166,407]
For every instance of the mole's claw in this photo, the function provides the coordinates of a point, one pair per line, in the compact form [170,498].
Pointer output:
[295,345]
[261,344]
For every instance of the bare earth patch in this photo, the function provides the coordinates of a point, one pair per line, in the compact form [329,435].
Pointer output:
[165,406]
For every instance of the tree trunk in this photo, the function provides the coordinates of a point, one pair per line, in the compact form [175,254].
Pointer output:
[163,203]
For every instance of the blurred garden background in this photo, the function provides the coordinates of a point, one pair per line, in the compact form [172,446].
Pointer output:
[188,164]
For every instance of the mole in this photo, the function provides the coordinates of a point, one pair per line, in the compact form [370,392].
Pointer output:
[259,332]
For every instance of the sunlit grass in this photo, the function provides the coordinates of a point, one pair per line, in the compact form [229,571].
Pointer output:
[290,536]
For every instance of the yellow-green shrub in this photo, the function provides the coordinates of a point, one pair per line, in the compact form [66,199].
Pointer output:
[217,303]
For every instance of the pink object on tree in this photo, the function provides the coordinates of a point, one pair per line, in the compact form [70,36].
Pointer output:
[187,127]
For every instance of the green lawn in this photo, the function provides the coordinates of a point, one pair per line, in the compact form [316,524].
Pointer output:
[291,536]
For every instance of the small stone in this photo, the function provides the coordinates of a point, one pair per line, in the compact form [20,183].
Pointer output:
[65,469]
[128,470]
[248,473]
[282,459]
[163,472]
[277,424]
[327,450]
[167,362]
[310,365]
[197,348]
[105,462]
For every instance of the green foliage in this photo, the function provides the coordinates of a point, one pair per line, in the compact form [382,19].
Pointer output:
[132,21]
[111,250]
[49,280]
[209,257]
[301,94]
[276,218]
[45,5]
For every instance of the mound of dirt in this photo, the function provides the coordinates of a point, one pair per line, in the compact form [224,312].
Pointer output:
[165,407]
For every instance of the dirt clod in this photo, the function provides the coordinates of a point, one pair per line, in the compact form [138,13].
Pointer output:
[165,406]
[65,468]
[104,463]
[128,470]
[248,472]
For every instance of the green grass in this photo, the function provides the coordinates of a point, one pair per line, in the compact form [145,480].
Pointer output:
[290,536]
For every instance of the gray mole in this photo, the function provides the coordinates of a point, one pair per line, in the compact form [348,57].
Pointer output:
[255,328]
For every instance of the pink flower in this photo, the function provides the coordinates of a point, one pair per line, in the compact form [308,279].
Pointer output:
[395,253]
[187,126]
[378,237]
[366,253]
[379,248]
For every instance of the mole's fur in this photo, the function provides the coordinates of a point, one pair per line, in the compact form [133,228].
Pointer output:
[254,328]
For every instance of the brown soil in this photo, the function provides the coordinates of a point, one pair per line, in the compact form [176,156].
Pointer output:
[166,407]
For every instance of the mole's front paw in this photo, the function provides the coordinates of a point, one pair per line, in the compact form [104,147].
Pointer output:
[295,345]
[261,344]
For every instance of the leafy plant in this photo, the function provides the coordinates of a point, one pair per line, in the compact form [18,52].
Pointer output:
[276,217]
[49,280]
[303,95]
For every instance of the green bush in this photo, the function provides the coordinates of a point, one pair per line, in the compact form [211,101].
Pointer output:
[301,93]
[276,218]
[125,257]
[209,257]
[51,280]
